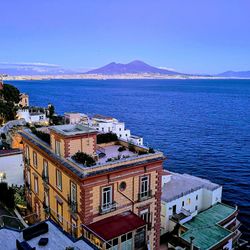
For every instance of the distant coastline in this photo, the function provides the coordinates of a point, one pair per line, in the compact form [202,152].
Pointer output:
[116,77]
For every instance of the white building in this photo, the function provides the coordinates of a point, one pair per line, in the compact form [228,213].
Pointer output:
[105,124]
[32,117]
[11,167]
[183,196]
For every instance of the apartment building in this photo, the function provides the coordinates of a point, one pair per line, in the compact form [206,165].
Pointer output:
[113,202]
[184,196]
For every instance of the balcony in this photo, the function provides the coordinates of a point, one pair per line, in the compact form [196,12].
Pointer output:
[145,195]
[72,205]
[27,185]
[107,208]
[27,161]
[46,208]
[45,178]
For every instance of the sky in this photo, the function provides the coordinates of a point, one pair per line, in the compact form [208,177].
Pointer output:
[193,36]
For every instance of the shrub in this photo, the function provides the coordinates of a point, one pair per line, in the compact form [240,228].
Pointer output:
[41,135]
[105,138]
[151,151]
[142,152]
[84,159]
[131,148]
[3,135]
[122,148]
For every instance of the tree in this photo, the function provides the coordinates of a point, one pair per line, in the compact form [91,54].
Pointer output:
[51,111]
[10,93]
[8,107]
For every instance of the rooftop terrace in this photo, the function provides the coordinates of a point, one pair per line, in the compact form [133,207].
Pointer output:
[111,160]
[183,184]
[72,130]
[57,239]
[205,226]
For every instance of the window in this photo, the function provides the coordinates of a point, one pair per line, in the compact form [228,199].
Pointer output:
[188,201]
[27,152]
[183,203]
[36,185]
[73,227]
[140,238]
[45,169]
[145,215]
[46,198]
[28,177]
[73,192]
[59,212]
[174,209]
[35,159]
[196,207]
[59,179]
[57,148]
[197,197]
[37,209]
[107,198]
[120,129]
[144,187]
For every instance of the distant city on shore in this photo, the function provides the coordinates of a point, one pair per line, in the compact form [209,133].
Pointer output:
[133,70]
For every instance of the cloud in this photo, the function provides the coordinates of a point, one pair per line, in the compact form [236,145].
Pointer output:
[166,68]
[29,64]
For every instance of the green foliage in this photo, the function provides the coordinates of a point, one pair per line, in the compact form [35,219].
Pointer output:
[131,148]
[3,136]
[7,195]
[122,148]
[7,111]
[151,151]
[11,96]
[142,152]
[84,159]
[41,135]
[10,93]
[51,110]
[57,120]
[105,138]
[20,196]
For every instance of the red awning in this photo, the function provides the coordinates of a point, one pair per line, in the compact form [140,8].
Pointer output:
[117,225]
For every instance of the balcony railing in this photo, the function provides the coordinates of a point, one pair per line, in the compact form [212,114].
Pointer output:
[145,195]
[27,185]
[107,208]
[72,205]
[46,208]
[27,161]
[45,177]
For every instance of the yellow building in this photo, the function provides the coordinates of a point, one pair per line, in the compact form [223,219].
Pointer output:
[114,203]
[24,100]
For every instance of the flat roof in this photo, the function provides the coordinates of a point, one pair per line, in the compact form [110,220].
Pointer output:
[205,228]
[183,184]
[114,226]
[57,239]
[72,129]
[82,171]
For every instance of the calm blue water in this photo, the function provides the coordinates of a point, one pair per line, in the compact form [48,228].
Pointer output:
[202,126]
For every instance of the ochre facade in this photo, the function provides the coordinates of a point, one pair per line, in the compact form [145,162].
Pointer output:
[49,196]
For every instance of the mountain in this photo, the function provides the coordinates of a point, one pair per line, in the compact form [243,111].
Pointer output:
[134,67]
[238,74]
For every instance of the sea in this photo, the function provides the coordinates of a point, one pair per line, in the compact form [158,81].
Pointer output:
[202,126]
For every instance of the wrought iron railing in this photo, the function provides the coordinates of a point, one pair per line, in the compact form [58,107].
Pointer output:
[72,205]
[145,195]
[107,208]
